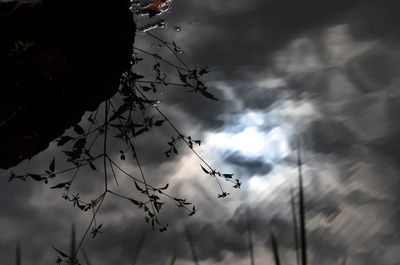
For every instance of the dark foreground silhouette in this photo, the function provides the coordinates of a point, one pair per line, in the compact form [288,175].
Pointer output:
[58,59]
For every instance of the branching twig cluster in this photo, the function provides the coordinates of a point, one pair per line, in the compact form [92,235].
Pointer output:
[129,119]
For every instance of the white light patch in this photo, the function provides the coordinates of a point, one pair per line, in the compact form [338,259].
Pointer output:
[251,139]
[250,142]
[271,82]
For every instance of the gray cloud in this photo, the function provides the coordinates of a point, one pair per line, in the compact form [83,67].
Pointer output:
[248,167]
[325,136]
[351,145]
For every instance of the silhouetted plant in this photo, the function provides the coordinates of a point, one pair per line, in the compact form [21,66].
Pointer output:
[300,234]
[18,254]
[192,247]
[127,121]
[250,240]
[20,48]
[275,250]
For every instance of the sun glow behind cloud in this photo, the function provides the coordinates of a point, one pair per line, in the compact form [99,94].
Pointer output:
[253,138]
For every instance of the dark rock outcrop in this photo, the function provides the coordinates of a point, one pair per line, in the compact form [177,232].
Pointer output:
[58,59]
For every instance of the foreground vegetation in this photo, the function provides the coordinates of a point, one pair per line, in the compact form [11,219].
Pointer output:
[299,237]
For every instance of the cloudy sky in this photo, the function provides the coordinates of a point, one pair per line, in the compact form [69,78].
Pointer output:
[321,72]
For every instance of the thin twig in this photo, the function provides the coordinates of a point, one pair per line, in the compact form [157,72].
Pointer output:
[105,144]
[160,82]
[113,172]
[161,59]
[90,224]
[169,47]
[187,143]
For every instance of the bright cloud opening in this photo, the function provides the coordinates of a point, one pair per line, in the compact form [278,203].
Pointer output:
[251,138]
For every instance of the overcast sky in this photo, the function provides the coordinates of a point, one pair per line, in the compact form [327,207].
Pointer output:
[324,72]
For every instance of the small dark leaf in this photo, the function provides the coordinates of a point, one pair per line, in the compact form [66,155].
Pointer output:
[96,230]
[183,77]
[193,211]
[203,71]
[12,176]
[140,131]
[207,94]
[81,206]
[159,123]
[119,112]
[92,166]
[36,177]
[78,129]
[165,187]
[136,76]
[138,187]
[146,88]
[61,185]
[63,140]
[52,165]
[205,170]
[135,202]
[228,176]
[61,253]
[223,195]
[79,144]
[237,185]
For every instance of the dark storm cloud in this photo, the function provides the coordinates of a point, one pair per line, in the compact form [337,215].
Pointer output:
[327,136]
[327,206]
[209,242]
[260,29]
[359,197]
[239,40]
[203,111]
[376,19]
[326,247]
[247,167]
[256,97]
[373,71]
[389,145]
[33,226]
[267,26]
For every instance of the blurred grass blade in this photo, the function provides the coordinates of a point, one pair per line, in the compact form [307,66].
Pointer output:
[191,245]
[303,239]
[72,257]
[275,250]
[18,254]
[344,260]
[138,249]
[250,239]
[85,257]
[174,257]
[295,228]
